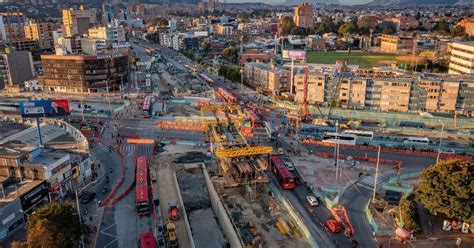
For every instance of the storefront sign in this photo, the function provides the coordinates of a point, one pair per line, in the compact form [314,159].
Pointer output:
[34,196]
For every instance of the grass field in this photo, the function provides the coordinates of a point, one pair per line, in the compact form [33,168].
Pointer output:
[363,59]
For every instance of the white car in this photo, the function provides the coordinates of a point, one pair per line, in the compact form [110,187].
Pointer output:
[313,202]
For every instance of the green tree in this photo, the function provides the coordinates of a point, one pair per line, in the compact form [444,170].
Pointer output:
[231,54]
[298,31]
[457,31]
[409,213]
[135,60]
[243,15]
[19,244]
[160,21]
[448,188]
[286,25]
[206,47]
[442,26]
[388,30]
[347,28]
[366,23]
[55,226]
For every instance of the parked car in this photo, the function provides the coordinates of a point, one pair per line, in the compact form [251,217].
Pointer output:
[313,202]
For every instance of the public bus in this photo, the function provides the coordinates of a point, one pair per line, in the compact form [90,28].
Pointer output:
[341,138]
[316,130]
[284,176]
[142,201]
[147,240]
[412,124]
[147,107]
[227,96]
[271,131]
[208,80]
[416,141]
[360,133]
[191,68]
[150,51]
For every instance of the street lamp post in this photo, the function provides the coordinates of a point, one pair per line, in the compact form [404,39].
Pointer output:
[440,141]
[79,215]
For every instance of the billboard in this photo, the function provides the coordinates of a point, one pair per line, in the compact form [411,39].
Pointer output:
[44,108]
[294,54]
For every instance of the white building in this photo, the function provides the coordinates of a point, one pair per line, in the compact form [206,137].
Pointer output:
[176,42]
[172,24]
[461,60]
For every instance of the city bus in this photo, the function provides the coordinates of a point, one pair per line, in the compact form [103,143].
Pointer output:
[412,124]
[416,141]
[360,133]
[271,131]
[284,176]
[227,96]
[142,201]
[147,107]
[147,240]
[341,138]
[316,130]
[208,80]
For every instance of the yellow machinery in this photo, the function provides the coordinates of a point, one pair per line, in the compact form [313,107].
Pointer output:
[245,151]
[171,234]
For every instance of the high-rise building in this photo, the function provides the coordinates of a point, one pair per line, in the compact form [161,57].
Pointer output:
[15,68]
[108,13]
[209,6]
[461,60]
[303,15]
[85,73]
[12,26]
[42,32]
[77,21]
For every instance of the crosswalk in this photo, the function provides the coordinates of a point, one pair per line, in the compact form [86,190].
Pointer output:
[368,182]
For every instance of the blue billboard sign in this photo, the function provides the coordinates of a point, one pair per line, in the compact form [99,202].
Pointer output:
[44,108]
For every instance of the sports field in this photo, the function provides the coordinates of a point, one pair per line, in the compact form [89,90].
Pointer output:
[363,59]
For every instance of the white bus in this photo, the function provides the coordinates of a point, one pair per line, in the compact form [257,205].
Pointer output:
[360,133]
[271,131]
[416,141]
[341,138]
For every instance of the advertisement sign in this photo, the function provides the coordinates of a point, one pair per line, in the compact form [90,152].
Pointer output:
[44,108]
[35,195]
[294,54]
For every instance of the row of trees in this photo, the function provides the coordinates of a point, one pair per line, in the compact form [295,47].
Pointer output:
[362,26]
[231,73]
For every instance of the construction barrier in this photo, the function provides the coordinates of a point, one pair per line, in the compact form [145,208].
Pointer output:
[121,196]
[360,158]
[186,126]
[117,186]
[392,150]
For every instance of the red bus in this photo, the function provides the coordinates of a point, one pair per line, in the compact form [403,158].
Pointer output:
[227,95]
[285,178]
[208,80]
[147,107]
[147,240]
[142,201]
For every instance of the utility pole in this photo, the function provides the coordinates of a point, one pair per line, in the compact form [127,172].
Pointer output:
[440,141]
[376,174]
[79,216]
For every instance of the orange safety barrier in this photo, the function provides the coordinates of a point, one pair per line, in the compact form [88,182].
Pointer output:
[392,150]
[141,141]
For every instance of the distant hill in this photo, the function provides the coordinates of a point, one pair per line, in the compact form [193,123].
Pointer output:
[418,2]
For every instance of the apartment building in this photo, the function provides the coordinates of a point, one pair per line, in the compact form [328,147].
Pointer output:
[85,73]
[468,25]
[257,55]
[395,43]
[269,77]
[77,21]
[303,15]
[389,92]
[461,60]
[224,29]
[42,32]
[12,26]
[15,68]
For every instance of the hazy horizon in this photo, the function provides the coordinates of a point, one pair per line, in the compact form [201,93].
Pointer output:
[346,2]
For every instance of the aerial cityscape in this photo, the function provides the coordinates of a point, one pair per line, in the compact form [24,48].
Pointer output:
[236,123]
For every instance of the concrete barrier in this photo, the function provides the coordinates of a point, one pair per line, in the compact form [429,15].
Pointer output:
[219,210]
[183,211]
